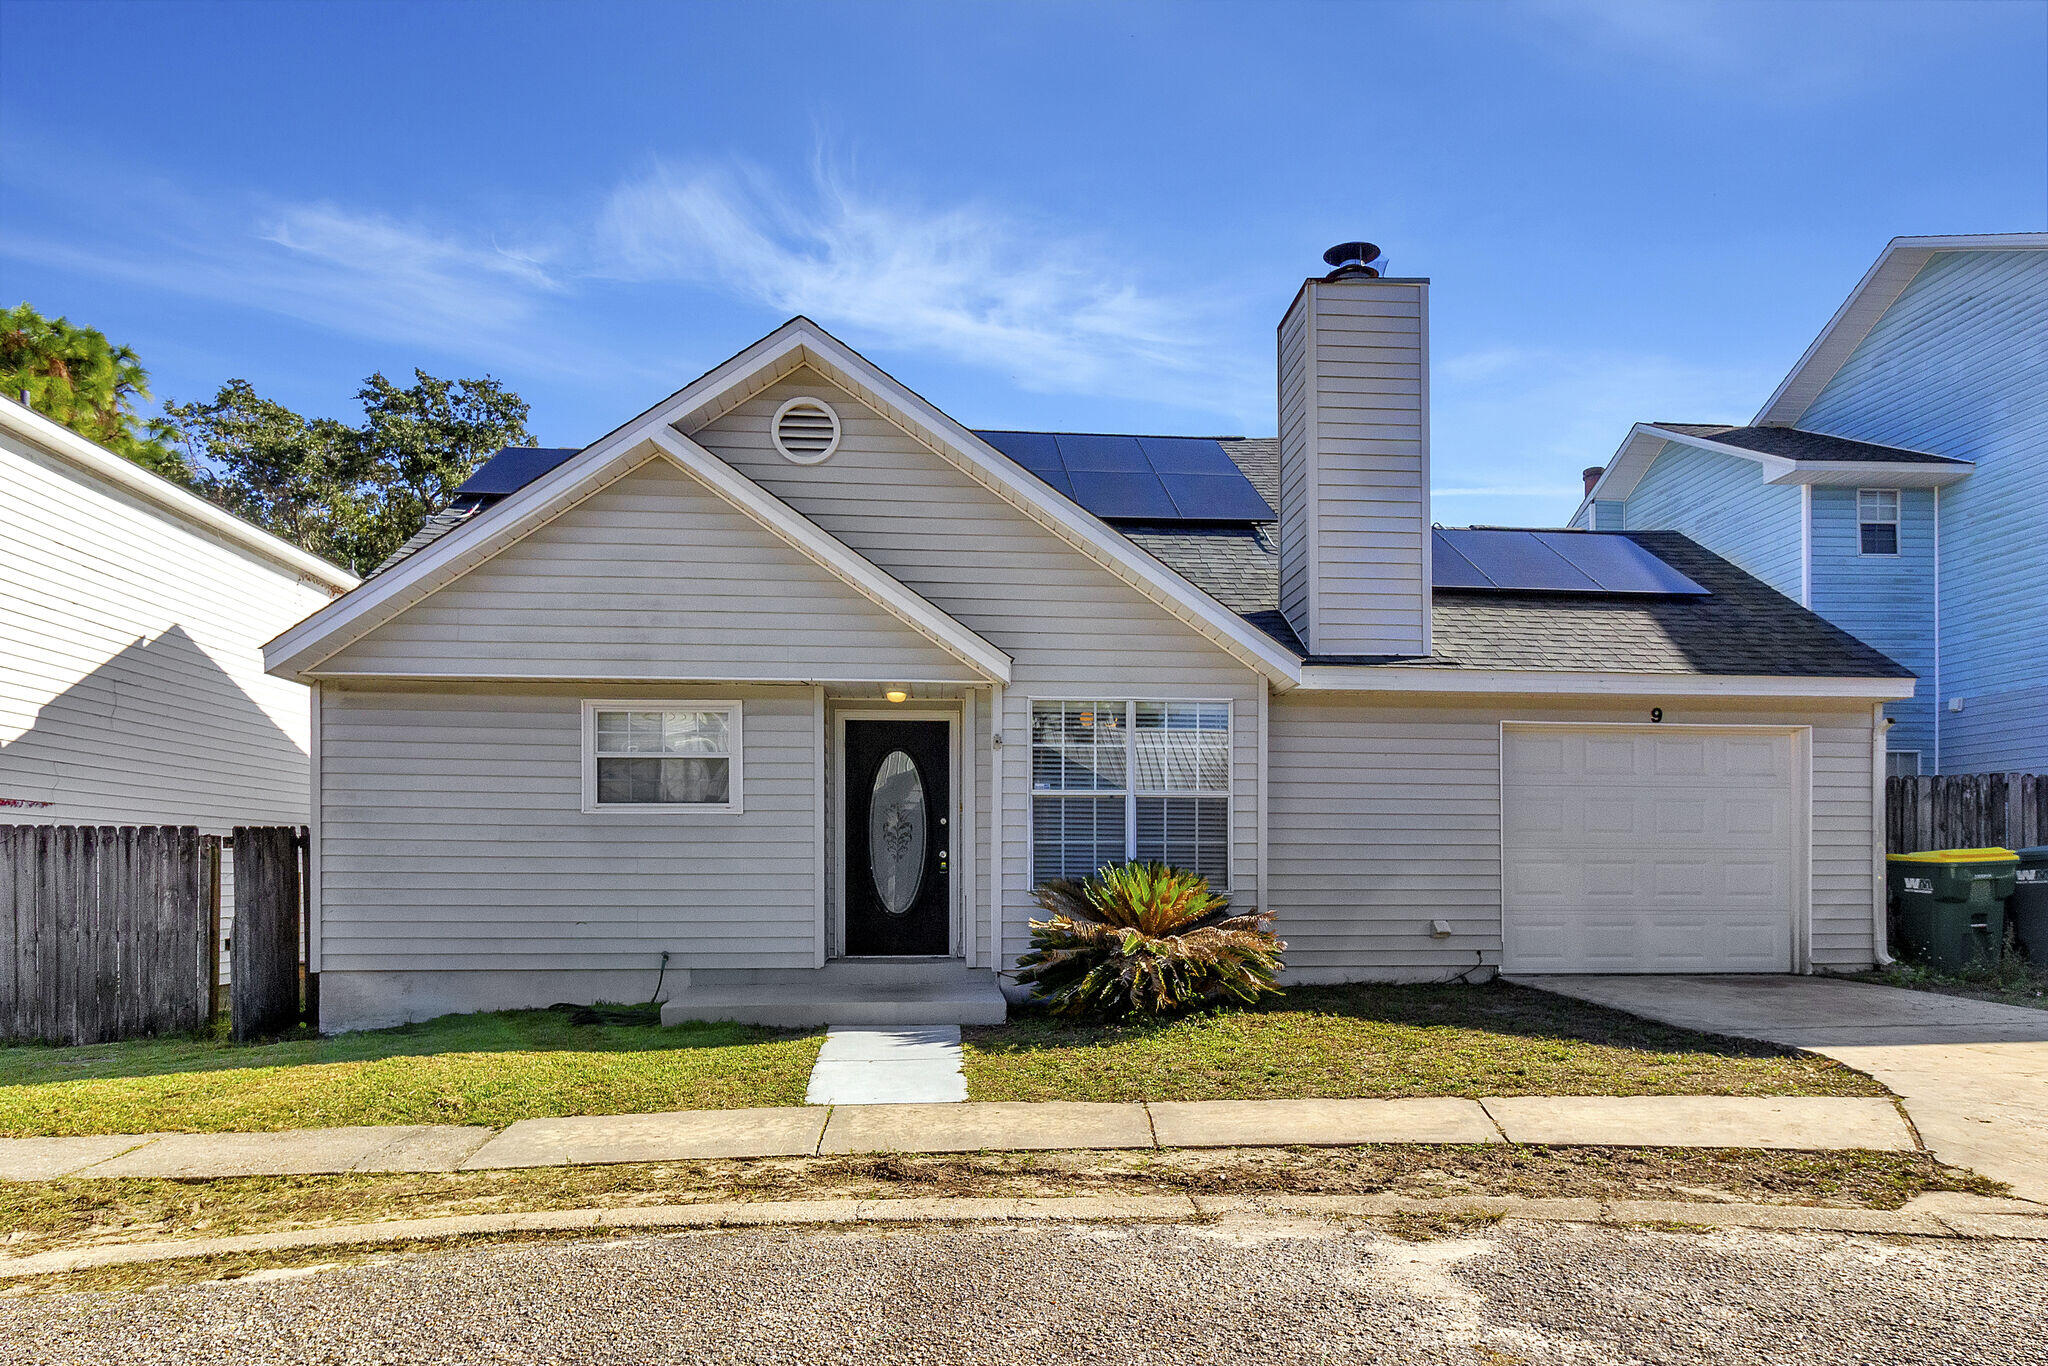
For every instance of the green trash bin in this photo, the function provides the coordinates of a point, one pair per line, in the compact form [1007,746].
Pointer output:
[2027,907]
[1952,905]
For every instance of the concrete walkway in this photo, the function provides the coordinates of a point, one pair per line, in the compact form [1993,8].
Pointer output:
[1973,1075]
[888,1065]
[1796,1122]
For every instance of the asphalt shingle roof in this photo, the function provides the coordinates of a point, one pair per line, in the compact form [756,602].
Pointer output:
[1793,444]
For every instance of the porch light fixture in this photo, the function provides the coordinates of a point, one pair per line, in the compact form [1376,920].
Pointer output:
[897,695]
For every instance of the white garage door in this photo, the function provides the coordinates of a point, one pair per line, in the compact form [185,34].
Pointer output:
[1661,849]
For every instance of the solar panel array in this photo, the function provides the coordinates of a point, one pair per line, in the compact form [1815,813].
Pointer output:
[1500,560]
[1139,478]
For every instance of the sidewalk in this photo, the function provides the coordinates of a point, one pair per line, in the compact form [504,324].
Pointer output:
[1811,1123]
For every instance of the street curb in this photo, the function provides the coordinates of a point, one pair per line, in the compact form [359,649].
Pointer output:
[1079,1209]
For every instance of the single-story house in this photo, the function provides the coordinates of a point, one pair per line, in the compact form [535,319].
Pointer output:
[786,693]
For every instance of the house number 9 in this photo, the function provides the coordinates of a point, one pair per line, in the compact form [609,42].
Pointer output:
[1656,713]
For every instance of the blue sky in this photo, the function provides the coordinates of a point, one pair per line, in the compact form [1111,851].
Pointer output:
[1086,217]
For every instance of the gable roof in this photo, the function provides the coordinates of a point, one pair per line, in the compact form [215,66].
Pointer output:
[1786,455]
[797,343]
[475,539]
[56,439]
[1880,287]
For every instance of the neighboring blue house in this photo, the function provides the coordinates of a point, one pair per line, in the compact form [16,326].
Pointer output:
[1897,484]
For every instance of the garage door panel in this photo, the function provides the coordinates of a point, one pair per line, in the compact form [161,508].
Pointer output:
[1650,851]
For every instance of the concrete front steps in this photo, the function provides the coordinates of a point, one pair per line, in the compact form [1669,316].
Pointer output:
[870,991]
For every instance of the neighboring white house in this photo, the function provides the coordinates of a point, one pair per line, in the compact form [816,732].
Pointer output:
[797,686]
[132,620]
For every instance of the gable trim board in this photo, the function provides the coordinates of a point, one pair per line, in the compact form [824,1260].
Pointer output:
[797,342]
[300,651]
[1874,294]
[1646,441]
[59,440]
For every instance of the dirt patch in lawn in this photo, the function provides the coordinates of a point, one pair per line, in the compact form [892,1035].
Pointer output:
[1454,1040]
[42,1216]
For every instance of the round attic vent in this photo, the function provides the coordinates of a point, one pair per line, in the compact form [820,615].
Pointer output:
[806,430]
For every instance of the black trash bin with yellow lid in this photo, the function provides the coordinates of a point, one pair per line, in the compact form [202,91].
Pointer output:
[1952,905]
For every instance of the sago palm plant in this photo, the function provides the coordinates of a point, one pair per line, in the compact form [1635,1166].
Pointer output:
[1143,938]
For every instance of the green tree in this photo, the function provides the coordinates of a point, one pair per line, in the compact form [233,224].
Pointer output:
[418,443]
[303,480]
[352,494]
[75,376]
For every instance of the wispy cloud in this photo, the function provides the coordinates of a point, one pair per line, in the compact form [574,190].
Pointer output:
[1035,301]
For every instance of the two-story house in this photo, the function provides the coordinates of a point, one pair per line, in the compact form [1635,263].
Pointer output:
[1894,484]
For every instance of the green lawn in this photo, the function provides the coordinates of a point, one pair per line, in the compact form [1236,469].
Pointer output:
[460,1069]
[1387,1041]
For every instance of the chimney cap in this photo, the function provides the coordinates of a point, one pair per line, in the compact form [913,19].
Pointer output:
[1352,258]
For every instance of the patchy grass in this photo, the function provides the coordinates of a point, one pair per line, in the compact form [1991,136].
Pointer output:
[2013,982]
[1497,1040]
[46,1215]
[460,1069]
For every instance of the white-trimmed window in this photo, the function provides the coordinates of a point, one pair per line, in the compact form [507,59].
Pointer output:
[1902,763]
[1112,781]
[1877,521]
[661,756]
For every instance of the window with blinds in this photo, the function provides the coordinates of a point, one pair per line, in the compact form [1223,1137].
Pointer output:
[1113,781]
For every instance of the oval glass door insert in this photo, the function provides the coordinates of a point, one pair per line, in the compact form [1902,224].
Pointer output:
[896,833]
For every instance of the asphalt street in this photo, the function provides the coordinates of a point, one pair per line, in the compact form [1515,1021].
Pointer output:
[1232,1292]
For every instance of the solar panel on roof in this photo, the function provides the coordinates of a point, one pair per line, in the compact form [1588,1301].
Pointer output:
[1084,452]
[1508,560]
[1449,569]
[512,469]
[1134,494]
[1617,564]
[1516,559]
[1216,497]
[1188,455]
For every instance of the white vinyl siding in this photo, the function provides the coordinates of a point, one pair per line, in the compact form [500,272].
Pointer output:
[454,839]
[1073,628]
[1354,456]
[653,576]
[1387,815]
[132,688]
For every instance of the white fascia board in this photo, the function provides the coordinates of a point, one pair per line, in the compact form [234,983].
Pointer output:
[1394,678]
[1880,287]
[1917,474]
[59,440]
[834,555]
[1032,496]
[1631,458]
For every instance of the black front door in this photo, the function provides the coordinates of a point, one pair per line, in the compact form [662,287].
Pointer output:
[898,797]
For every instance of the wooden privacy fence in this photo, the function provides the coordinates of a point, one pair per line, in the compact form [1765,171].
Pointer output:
[111,932]
[1966,811]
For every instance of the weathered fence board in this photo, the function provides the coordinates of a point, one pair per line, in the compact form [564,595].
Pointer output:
[103,929]
[263,983]
[1966,811]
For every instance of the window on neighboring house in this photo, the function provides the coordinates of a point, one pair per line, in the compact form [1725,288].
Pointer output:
[1902,763]
[1113,781]
[1877,521]
[661,756]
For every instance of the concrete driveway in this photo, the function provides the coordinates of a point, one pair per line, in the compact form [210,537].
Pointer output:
[1973,1075]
